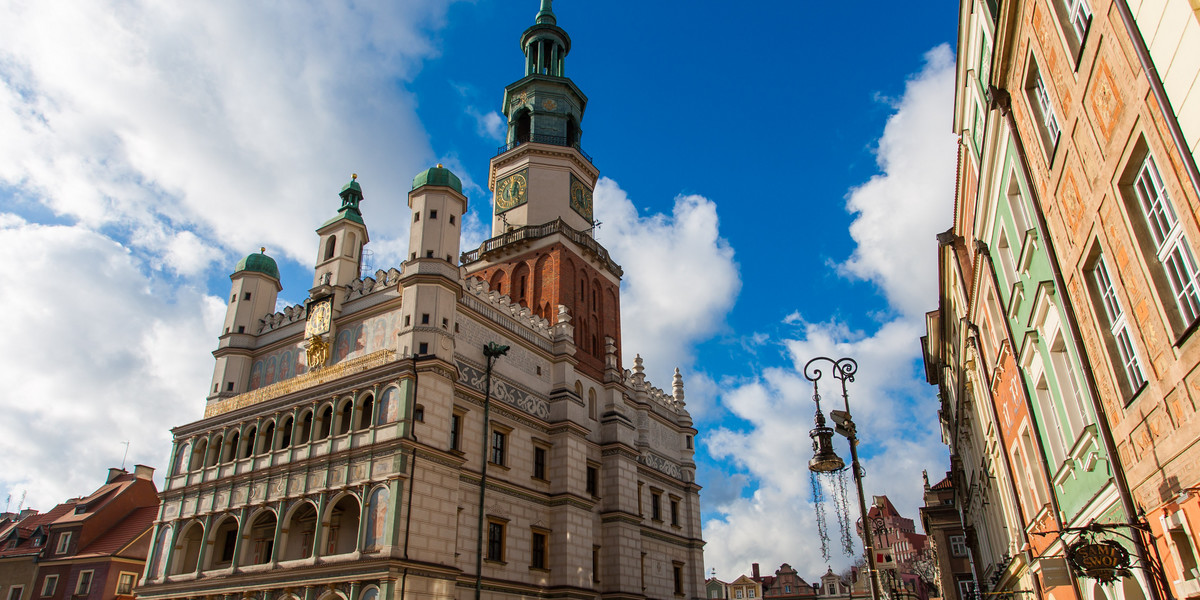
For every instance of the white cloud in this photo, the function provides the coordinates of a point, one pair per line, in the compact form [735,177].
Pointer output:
[214,117]
[98,354]
[488,124]
[901,210]
[898,213]
[680,277]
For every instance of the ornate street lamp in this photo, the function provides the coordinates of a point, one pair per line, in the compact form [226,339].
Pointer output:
[825,460]
[492,351]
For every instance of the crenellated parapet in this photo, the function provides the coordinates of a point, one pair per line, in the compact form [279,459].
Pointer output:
[522,314]
[287,316]
[356,289]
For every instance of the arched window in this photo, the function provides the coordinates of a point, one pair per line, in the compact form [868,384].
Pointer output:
[347,413]
[222,543]
[306,427]
[248,447]
[351,243]
[181,458]
[214,453]
[592,414]
[330,247]
[285,433]
[326,424]
[520,284]
[366,412]
[158,567]
[198,454]
[341,527]
[524,125]
[579,390]
[267,442]
[377,511]
[187,549]
[231,449]
[497,282]
[261,542]
[300,532]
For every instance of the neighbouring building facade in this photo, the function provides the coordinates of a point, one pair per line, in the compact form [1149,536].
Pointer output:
[460,423]
[92,548]
[948,542]
[1068,295]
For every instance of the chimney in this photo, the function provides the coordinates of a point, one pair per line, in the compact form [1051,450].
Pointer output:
[143,472]
[754,569]
[25,514]
[113,474]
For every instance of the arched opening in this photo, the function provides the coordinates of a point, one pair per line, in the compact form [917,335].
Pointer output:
[326,423]
[351,244]
[306,424]
[231,449]
[223,541]
[214,453]
[187,549]
[366,412]
[572,132]
[299,532]
[198,455]
[497,282]
[341,533]
[261,540]
[524,125]
[1132,589]
[159,567]
[579,389]
[285,433]
[265,444]
[330,247]
[547,314]
[520,284]
[248,446]
[377,510]
[592,403]
[347,413]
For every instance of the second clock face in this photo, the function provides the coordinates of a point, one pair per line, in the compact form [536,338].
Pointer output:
[512,191]
[319,314]
[581,198]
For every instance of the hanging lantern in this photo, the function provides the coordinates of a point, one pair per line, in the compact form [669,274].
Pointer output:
[824,459]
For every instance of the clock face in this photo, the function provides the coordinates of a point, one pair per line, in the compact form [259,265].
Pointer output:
[581,198]
[319,313]
[512,191]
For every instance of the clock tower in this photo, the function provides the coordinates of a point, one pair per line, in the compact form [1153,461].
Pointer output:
[543,254]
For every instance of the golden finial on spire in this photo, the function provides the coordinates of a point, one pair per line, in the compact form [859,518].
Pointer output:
[262,249]
[353,176]
[439,165]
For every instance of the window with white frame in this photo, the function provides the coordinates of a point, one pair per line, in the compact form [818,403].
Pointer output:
[125,583]
[1043,108]
[958,545]
[83,585]
[49,584]
[15,592]
[1112,316]
[1165,232]
[966,589]
[64,543]
[1055,436]
[1080,16]
[1184,549]
[1067,379]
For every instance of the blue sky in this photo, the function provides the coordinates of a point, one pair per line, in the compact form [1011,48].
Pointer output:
[774,176]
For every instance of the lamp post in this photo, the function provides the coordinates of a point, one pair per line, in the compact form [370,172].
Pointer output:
[825,460]
[492,351]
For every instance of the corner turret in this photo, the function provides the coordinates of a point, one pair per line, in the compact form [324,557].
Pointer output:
[253,291]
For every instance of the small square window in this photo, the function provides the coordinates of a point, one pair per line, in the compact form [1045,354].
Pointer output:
[419,413]
[423,348]
[416,217]
[445,323]
[241,329]
[451,219]
[125,583]
[229,386]
[246,296]
[424,318]
[433,214]
[429,254]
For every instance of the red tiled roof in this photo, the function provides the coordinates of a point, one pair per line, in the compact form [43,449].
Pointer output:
[121,534]
[943,484]
[26,527]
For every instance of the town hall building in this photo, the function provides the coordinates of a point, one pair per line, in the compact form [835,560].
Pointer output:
[459,426]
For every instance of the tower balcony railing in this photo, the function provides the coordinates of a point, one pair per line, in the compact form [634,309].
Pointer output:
[541,138]
[534,232]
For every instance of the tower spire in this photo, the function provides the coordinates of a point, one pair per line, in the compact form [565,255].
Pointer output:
[546,14]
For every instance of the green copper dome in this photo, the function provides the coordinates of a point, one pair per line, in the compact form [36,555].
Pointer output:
[258,263]
[438,175]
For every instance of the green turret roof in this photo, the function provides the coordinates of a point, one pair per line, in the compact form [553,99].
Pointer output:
[351,195]
[438,175]
[258,263]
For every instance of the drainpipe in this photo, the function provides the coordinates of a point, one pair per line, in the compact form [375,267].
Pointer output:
[1004,100]
[1160,94]
[492,351]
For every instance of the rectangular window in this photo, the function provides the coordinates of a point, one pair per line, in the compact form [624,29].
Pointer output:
[640,486]
[958,545]
[455,428]
[1171,246]
[674,512]
[738,593]
[498,441]
[591,480]
[656,505]
[15,592]
[125,583]
[539,463]
[1038,97]
[750,593]
[596,566]
[495,541]
[677,571]
[537,558]
[1113,316]
[966,589]
[1047,109]
[1080,16]
[48,585]
[64,543]
[84,584]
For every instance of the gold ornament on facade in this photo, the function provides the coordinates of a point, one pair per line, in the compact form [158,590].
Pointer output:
[317,352]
